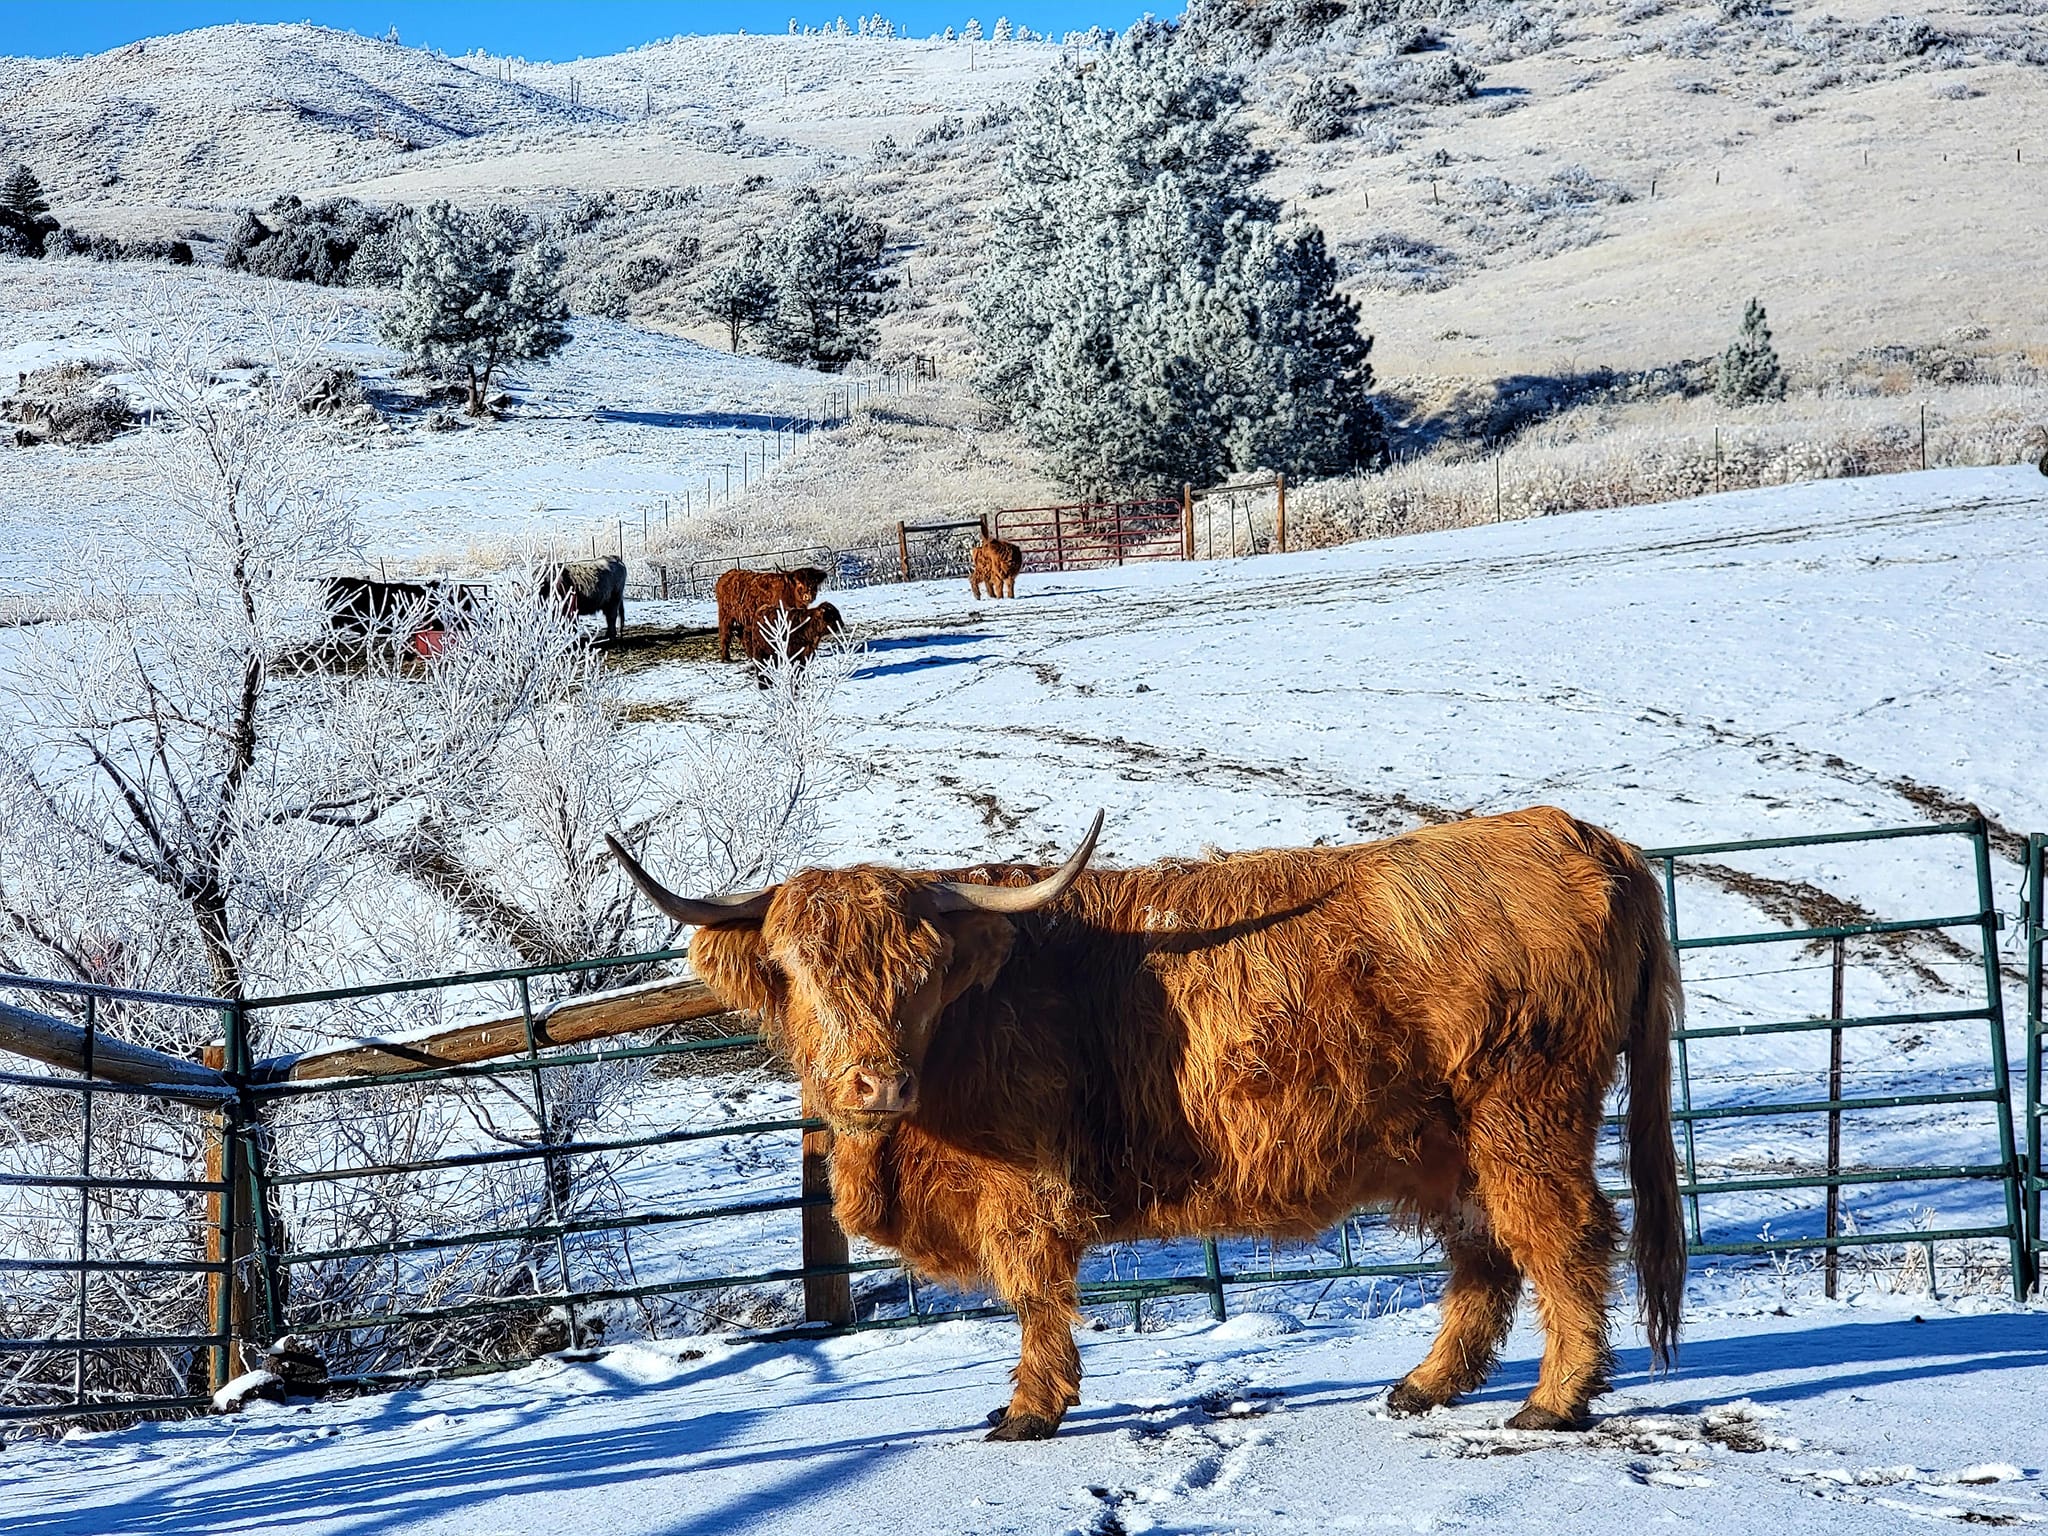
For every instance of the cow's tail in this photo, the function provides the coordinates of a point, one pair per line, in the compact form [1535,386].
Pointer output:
[1658,1240]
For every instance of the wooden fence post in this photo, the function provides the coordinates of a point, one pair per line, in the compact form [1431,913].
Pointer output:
[827,1298]
[1280,485]
[1059,548]
[242,1309]
[903,549]
[1187,521]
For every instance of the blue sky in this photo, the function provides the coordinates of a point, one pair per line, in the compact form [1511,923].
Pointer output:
[533,29]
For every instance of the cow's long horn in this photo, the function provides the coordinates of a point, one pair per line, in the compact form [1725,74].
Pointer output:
[955,896]
[701,912]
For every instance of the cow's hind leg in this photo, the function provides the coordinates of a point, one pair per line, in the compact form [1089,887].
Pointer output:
[1537,1182]
[1478,1310]
[1039,1276]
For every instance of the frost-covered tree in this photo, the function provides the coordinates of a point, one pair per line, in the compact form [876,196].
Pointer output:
[826,262]
[740,294]
[602,296]
[1146,317]
[1749,368]
[1002,33]
[475,291]
[25,220]
[948,35]
[972,31]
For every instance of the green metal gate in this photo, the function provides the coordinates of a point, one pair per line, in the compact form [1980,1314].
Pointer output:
[2035,928]
[462,1217]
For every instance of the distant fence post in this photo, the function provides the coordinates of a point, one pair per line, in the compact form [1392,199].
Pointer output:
[903,549]
[1280,521]
[827,1298]
[1059,548]
[1187,521]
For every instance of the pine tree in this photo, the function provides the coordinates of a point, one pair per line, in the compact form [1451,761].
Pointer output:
[474,293]
[25,212]
[972,31]
[1146,317]
[739,295]
[1002,33]
[1749,368]
[826,262]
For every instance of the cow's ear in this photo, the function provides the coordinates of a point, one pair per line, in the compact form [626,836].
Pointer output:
[733,962]
[981,947]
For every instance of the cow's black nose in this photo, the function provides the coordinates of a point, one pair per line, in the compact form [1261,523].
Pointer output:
[881,1093]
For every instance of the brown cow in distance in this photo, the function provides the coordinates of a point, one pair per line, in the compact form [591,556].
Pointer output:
[1019,1064]
[745,598]
[809,628]
[994,563]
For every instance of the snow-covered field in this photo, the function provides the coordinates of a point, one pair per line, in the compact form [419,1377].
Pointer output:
[1865,1417]
[621,421]
[1820,658]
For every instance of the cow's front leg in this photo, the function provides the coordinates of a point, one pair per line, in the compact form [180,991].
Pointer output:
[1040,1278]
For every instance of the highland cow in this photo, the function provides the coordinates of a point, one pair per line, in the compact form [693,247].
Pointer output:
[584,587]
[994,564]
[1018,1064]
[745,598]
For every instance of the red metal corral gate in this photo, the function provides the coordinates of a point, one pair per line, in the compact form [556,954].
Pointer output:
[1089,534]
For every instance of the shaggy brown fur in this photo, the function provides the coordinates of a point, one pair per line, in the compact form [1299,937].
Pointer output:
[808,629]
[1255,1044]
[994,564]
[745,598]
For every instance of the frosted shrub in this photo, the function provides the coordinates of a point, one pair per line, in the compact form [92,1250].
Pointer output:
[1322,110]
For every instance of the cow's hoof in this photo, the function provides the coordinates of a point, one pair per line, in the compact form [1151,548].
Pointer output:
[1406,1400]
[1022,1426]
[1529,1416]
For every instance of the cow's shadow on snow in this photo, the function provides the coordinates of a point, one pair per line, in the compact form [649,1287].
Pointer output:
[912,642]
[921,664]
[730,421]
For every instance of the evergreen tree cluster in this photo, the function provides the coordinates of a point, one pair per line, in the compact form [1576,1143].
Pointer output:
[337,242]
[476,291]
[1750,371]
[810,292]
[1147,318]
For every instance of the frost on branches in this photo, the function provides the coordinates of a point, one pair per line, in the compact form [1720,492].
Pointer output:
[1147,318]
[474,292]
[202,792]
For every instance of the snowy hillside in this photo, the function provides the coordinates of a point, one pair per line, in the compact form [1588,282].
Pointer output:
[244,113]
[1814,153]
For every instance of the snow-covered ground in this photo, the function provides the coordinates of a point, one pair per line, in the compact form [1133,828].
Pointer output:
[620,422]
[1818,658]
[1870,1417]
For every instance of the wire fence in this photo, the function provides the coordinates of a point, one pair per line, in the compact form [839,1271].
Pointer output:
[542,1171]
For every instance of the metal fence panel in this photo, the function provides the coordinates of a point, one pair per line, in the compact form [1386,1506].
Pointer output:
[455,1217]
